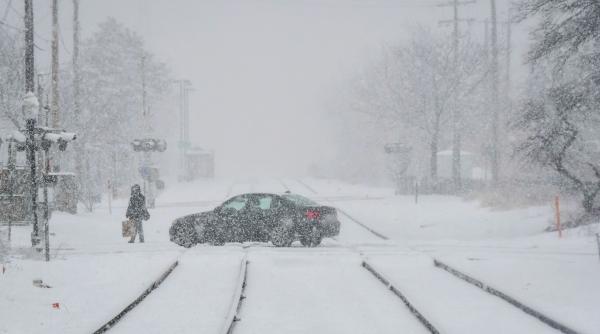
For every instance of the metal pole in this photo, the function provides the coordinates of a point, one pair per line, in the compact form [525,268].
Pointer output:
[598,241]
[417,192]
[55,66]
[46,209]
[456,114]
[11,171]
[181,131]
[109,197]
[30,144]
[79,151]
[29,47]
[557,209]
[494,102]
[30,123]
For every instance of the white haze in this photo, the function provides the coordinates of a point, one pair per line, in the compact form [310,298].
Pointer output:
[263,70]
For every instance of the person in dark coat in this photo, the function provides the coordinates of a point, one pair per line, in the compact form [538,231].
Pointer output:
[137,211]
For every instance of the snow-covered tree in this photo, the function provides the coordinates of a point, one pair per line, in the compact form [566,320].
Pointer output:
[560,118]
[116,69]
[11,77]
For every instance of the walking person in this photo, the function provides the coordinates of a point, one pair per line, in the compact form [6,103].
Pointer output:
[137,212]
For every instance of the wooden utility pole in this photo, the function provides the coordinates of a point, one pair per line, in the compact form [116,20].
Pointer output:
[456,112]
[29,45]
[29,104]
[76,71]
[55,96]
[81,155]
[495,154]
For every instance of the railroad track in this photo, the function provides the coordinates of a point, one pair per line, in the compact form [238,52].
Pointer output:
[284,185]
[552,323]
[113,321]
[234,315]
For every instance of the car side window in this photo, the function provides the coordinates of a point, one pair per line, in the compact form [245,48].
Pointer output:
[236,203]
[264,203]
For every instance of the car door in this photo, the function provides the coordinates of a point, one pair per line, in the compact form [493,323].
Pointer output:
[259,217]
[232,216]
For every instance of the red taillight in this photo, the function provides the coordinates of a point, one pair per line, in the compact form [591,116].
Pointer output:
[312,215]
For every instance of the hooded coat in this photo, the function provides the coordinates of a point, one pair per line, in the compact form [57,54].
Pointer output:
[137,205]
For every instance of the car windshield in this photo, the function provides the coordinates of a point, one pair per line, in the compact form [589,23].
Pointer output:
[300,200]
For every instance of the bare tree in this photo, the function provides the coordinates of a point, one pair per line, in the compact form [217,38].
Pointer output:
[416,85]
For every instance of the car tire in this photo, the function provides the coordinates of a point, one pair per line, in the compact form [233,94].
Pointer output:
[281,235]
[185,236]
[312,239]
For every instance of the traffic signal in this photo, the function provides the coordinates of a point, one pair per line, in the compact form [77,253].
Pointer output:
[149,145]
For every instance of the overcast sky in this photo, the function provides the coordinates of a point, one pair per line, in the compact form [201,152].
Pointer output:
[262,69]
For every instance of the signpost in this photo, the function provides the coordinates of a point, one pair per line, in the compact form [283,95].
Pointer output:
[598,241]
[400,157]
[148,173]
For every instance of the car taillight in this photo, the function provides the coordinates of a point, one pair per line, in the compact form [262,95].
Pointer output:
[312,215]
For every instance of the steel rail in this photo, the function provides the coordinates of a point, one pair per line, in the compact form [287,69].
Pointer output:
[108,325]
[236,303]
[514,302]
[400,295]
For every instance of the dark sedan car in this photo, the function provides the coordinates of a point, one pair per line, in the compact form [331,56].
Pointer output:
[281,219]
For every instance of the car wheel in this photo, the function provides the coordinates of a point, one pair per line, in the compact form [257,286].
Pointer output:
[185,235]
[312,239]
[281,235]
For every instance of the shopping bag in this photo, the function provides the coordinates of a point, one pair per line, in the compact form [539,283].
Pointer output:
[127,228]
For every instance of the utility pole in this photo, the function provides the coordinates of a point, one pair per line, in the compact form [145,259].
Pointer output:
[494,98]
[184,89]
[146,159]
[30,109]
[456,112]
[509,24]
[55,69]
[29,48]
[81,156]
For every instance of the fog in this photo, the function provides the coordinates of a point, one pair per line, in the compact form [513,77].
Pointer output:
[263,71]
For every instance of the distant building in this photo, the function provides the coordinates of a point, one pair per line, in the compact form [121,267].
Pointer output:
[467,163]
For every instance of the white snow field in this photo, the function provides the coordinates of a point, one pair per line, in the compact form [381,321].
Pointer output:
[94,273]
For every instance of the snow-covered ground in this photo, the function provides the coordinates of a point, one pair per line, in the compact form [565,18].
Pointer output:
[94,273]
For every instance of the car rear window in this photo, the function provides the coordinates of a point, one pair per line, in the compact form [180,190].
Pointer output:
[300,200]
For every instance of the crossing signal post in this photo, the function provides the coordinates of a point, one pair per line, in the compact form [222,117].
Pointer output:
[149,173]
[40,139]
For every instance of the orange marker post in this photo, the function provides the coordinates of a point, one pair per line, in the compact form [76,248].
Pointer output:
[558,227]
